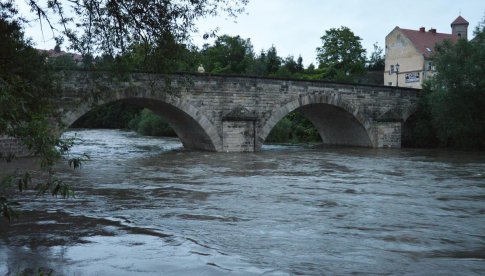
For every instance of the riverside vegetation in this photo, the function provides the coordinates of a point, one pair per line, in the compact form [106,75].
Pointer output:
[28,87]
[127,38]
[451,110]
[235,55]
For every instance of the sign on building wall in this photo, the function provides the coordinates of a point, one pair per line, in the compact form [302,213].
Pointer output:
[412,77]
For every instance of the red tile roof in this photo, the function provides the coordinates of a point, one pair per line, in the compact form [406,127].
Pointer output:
[54,53]
[427,40]
[460,21]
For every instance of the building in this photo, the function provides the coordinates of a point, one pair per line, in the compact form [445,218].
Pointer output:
[409,53]
[56,53]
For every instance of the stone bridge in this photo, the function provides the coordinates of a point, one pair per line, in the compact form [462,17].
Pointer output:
[236,113]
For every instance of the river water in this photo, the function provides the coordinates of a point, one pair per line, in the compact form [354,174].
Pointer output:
[145,206]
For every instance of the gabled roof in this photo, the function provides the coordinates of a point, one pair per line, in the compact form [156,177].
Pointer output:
[425,41]
[460,21]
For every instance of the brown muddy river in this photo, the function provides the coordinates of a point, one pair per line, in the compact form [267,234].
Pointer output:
[145,206]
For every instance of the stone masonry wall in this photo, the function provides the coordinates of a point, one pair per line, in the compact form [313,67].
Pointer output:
[388,134]
[238,136]
[13,146]
[203,100]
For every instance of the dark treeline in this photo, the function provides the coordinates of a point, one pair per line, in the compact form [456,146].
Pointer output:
[232,55]
[450,111]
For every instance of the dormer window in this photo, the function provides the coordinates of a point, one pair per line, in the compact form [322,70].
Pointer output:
[429,50]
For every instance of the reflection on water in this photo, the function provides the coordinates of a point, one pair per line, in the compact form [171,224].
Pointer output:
[146,206]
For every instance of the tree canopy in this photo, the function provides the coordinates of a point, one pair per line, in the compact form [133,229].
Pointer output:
[27,90]
[120,31]
[229,54]
[457,93]
[341,54]
[452,105]
[376,61]
[111,26]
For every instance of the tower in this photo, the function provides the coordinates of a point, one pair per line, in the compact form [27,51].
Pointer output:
[459,27]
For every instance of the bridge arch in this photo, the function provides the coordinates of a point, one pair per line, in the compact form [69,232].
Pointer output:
[194,129]
[337,121]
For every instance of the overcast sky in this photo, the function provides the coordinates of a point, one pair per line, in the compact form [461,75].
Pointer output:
[294,27]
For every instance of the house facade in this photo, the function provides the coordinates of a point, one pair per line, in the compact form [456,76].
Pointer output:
[408,59]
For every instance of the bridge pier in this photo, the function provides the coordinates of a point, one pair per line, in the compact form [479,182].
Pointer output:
[239,131]
[387,134]
[238,136]
[237,113]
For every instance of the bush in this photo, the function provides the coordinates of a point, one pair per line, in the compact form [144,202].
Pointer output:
[151,124]
[294,128]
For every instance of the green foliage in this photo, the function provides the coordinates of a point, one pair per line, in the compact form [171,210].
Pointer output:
[257,66]
[149,123]
[281,132]
[28,107]
[55,187]
[418,131]
[6,209]
[63,62]
[111,27]
[376,61]
[27,94]
[115,115]
[228,55]
[454,99]
[341,54]
[165,55]
[291,68]
[76,162]
[457,94]
[272,60]
[294,128]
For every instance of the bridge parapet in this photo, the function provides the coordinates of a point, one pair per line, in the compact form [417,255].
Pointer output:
[237,113]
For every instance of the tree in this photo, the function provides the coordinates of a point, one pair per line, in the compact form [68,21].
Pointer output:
[299,65]
[291,68]
[376,61]
[273,61]
[28,94]
[111,26]
[290,64]
[28,88]
[456,94]
[451,110]
[229,54]
[341,54]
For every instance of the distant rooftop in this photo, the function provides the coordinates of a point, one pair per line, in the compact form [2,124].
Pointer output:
[54,53]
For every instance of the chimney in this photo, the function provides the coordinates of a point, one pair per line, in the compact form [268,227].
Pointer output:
[421,29]
[432,30]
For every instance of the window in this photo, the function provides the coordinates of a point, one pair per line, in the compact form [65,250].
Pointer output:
[430,66]
[389,83]
[392,69]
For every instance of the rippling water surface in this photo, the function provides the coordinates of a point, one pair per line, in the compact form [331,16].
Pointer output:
[146,206]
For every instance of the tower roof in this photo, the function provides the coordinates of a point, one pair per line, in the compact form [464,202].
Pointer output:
[460,21]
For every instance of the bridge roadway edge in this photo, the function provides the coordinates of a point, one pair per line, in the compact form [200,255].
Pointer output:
[236,113]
